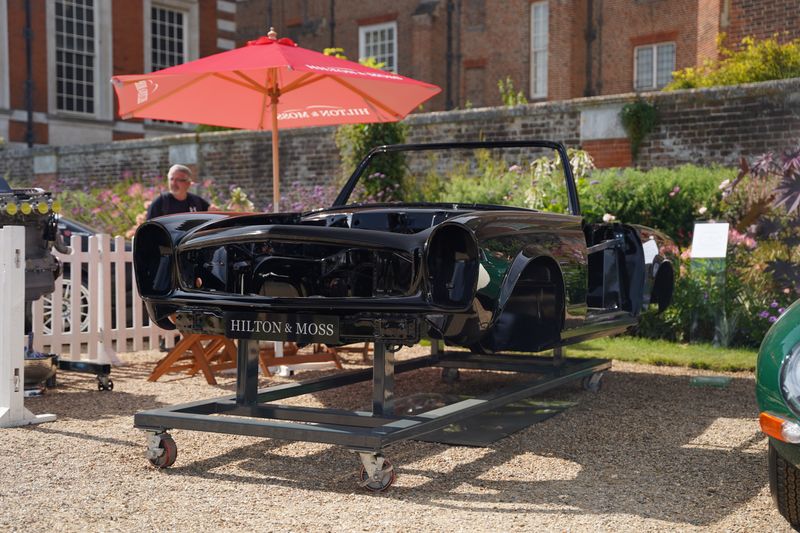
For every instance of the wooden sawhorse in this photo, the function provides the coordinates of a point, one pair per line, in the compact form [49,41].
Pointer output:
[198,353]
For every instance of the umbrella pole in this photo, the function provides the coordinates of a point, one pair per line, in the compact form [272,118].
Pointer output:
[276,179]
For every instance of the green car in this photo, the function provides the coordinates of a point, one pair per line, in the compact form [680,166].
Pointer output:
[778,394]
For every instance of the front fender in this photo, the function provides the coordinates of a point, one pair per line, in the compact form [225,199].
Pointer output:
[518,266]
[778,343]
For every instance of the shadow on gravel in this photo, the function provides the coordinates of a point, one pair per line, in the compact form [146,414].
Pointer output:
[77,396]
[647,445]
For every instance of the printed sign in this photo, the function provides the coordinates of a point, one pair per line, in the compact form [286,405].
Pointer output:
[323,111]
[282,327]
[372,73]
[710,240]
[143,90]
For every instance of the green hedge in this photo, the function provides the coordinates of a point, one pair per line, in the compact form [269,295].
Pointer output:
[668,199]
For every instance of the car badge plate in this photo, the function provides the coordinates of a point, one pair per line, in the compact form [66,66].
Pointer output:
[303,328]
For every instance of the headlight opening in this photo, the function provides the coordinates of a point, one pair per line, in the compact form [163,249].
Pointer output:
[790,379]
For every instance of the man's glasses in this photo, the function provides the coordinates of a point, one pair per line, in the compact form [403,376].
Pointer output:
[180,180]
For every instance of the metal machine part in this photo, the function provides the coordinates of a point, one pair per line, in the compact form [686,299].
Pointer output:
[36,210]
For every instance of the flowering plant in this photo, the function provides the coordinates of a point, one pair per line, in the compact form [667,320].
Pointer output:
[113,210]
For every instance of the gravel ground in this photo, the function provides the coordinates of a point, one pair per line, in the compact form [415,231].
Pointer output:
[648,452]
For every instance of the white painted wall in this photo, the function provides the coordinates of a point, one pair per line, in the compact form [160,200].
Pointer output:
[602,122]
[63,133]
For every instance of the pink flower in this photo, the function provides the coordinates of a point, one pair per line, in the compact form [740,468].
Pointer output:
[736,239]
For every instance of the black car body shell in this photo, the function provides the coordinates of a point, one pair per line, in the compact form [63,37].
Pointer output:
[487,277]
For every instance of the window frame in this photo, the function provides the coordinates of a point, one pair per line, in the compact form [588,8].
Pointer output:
[191,44]
[191,28]
[368,28]
[533,93]
[103,92]
[654,47]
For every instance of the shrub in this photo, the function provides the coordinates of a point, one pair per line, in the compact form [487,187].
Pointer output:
[492,182]
[387,171]
[299,197]
[762,276]
[755,61]
[120,208]
[668,199]
[115,209]
[356,140]
[508,95]
[537,184]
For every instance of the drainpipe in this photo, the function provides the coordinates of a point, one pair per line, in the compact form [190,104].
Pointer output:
[589,35]
[599,84]
[28,33]
[333,23]
[458,54]
[448,66]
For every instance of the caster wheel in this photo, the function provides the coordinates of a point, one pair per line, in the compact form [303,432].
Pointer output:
[386,475]
[593,383]
[450,375]
[104,383]
[165,455]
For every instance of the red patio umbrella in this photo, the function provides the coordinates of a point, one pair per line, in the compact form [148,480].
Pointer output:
[267,85]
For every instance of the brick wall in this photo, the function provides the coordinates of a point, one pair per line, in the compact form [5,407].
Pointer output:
[126,25]
[700,126]
[762,19]
[629,24]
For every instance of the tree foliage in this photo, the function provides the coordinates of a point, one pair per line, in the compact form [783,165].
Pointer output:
[755,61]
[356,140]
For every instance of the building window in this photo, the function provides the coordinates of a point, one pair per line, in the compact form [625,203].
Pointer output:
[75,56]
[539,40]
[167,37]
[653,66]
[380,42]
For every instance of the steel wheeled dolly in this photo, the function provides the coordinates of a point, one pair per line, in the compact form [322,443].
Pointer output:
[102,371]
[255,412]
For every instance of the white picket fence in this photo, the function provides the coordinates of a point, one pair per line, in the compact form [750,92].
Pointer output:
[106,321]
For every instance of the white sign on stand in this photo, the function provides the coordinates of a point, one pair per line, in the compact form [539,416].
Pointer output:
[12,324]
[710,240]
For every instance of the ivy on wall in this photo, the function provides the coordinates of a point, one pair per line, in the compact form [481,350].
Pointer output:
[639,118]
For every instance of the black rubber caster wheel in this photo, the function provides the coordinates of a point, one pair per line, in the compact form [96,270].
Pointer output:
[450,375]
[166,459]
[387,477]
[104,383]
[593,383]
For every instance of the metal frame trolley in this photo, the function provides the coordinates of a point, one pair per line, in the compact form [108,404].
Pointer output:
[254,412]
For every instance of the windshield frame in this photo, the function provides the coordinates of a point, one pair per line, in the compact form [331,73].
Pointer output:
[569,180]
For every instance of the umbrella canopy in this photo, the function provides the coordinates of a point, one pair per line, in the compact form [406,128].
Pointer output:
[268,85]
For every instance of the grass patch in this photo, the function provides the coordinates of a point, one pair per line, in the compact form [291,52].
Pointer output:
[664,353]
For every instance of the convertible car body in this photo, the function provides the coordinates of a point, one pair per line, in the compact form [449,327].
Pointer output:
[488,277]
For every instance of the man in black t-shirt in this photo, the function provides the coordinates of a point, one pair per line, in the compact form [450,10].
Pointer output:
[178,199]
